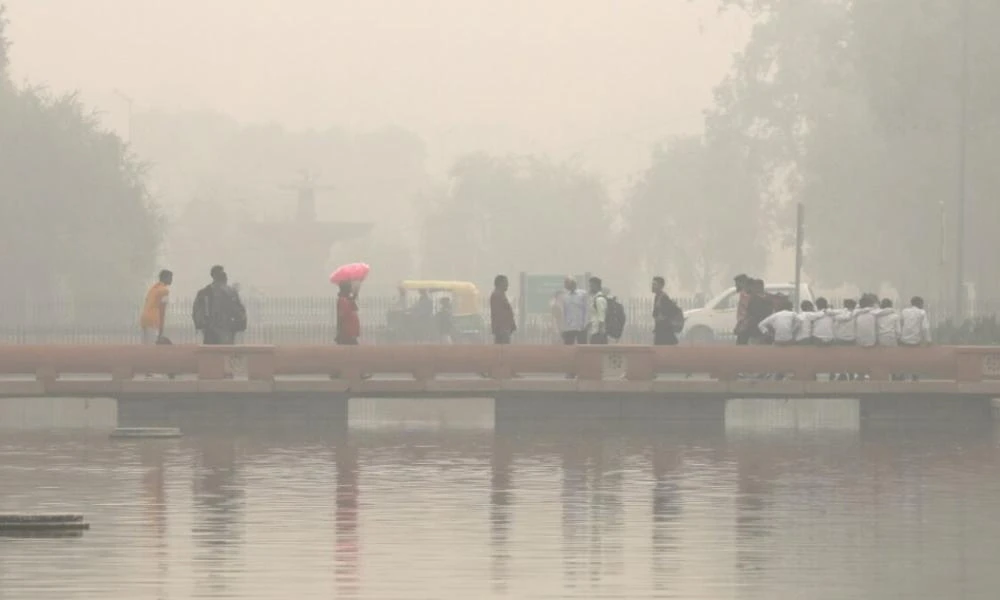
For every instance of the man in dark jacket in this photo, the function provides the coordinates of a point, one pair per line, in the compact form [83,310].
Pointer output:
[666,314]
[501,313]
[760,307]
[218,312]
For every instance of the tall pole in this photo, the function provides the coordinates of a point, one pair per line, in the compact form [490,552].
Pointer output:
[962,187]
[799,239]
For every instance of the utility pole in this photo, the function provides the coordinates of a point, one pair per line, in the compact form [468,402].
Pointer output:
[962,186]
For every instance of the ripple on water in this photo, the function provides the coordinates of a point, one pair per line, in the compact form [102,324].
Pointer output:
[625,512]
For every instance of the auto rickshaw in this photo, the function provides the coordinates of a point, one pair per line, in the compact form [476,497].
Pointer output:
[417,316]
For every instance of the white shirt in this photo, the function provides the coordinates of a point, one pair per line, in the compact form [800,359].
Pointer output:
[843,325]
[887,321]
[915,327]
[574,310]
[785,324]
[865,327]
[822,325]
[805,331]
[598,312]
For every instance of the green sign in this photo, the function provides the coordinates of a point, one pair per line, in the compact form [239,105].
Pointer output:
[540,289]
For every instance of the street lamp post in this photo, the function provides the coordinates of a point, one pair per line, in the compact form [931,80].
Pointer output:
[962,186]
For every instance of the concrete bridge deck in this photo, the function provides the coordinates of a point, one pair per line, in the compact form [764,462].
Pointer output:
[415,371]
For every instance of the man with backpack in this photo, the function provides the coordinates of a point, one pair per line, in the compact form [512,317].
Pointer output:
[218,312]
[760,307]
[598,312]
[668,318]
[607,315]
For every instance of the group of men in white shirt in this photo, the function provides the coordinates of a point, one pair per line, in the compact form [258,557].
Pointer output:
[866,323]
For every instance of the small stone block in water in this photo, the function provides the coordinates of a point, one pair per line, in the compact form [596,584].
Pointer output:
[30,522]
[146,432]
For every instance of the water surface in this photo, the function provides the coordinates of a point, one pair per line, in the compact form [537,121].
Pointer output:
[762,508]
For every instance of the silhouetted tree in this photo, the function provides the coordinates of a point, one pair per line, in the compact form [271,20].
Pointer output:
[695,214]
[854,108]
[75,216]
[516,213]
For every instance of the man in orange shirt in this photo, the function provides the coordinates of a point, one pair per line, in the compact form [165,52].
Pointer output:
[154,310]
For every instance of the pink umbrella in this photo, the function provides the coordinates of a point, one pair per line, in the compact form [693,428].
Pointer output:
[351,272]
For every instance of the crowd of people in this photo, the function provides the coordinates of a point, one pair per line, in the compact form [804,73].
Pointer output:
[594,316]
[763,318]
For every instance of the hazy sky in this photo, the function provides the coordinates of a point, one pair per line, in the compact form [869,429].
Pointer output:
[600,79]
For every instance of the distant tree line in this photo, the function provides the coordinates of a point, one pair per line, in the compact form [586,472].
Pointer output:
[855,109]
[852,108]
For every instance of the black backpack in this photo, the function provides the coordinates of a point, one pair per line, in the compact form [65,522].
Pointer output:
[219,307]
[675,317]
[614,319]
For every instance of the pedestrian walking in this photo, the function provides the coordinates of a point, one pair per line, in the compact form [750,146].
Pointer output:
[915,327]
[446,321]
[598,312]
[782,326]
[574,314]
[822,324]
[743,329]
[887,324]
[759,307]
[501,312]
[348,319]
[668,318]
[153,319]
[218,311]
[808,315]
[865,321]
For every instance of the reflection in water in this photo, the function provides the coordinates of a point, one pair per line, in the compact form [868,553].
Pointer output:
[154,504]
[218,508]
[666,511]
[501,495]
[346,520]
[624,512]
[754,488]
[574,508]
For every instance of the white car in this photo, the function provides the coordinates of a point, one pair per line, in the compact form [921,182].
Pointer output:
[717,318]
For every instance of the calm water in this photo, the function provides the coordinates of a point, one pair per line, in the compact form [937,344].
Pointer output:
[770,505]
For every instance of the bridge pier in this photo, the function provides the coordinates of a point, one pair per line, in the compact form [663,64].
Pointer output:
[520,412]
[306,413]
[928,408]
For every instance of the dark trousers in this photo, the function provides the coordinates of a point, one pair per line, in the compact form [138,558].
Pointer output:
[599,338]
[501,338]
[218,337]
[571,338]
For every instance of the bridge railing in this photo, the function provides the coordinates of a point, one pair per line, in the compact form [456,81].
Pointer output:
[59,366]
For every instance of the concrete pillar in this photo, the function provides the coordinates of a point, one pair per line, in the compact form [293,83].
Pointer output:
[321,413]
[931,409]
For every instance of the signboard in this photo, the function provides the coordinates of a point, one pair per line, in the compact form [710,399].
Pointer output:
[538,291]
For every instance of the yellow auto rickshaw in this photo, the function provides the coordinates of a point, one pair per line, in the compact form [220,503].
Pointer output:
[432,311]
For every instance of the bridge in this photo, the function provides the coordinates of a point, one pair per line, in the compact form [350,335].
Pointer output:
[464,370]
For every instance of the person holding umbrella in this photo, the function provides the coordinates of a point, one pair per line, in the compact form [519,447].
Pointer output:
[348,321]
[348,279]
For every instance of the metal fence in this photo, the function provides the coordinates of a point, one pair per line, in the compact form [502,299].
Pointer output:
[295,320]
[292,320]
